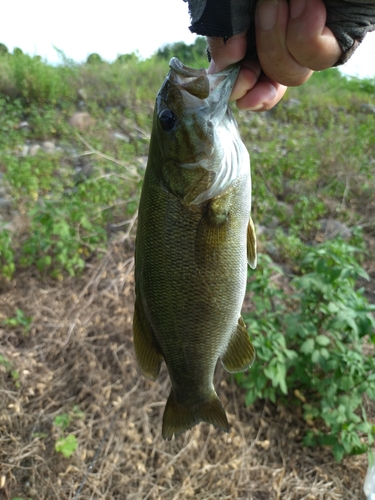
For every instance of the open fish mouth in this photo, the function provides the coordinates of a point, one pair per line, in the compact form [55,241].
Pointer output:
[215,89]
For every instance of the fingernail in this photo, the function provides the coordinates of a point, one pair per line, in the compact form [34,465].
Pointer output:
[267,14]
[255,108]
[296,8]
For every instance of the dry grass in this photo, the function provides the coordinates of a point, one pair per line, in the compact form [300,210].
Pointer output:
[79,352]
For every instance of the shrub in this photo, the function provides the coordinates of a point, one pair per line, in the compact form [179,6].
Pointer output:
[188,54]
[7,265]
[34,81]
[311,346]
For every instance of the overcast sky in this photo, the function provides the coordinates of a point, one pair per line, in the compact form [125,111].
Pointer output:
[113,27]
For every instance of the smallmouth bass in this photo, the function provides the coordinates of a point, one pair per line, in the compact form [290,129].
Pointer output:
[194,240]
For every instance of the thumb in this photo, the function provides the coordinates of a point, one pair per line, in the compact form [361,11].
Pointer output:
[226,53]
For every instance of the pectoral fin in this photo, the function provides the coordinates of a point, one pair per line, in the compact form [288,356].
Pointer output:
[148,357]
[251,245]
[240,353]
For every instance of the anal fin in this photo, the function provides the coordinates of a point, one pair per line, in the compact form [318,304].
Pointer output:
[178,418]
[148,357]
[240,353]
[251,245]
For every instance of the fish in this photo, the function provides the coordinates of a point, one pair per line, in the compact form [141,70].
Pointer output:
[194,240]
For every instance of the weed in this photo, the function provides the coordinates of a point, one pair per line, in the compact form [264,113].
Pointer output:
[7,265]
[310,346]
[5,362]
[34,81]
[62,421]
[20,319]
[66,445]
[8,366]
[67,216]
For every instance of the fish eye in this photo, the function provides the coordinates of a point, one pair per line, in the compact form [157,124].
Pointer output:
[167,119]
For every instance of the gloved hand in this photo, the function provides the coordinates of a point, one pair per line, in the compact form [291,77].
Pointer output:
[291,39]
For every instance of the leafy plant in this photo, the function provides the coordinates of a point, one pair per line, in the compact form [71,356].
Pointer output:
[7,266]
[62,421]
[66,445]
[8,365]
[310,346]
[5,362]
[20,319]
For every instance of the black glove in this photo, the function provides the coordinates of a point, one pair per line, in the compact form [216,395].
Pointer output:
[349,20]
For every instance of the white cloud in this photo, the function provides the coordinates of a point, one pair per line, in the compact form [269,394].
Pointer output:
[112,27]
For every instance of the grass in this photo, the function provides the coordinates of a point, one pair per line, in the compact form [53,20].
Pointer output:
[66,291]
[312,155]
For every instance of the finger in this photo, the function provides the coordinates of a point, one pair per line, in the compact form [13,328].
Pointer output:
[263,96]
[225,53]
[247,78]
[276,61]
[308,40]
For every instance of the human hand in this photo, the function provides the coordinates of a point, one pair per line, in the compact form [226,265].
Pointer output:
[292,40]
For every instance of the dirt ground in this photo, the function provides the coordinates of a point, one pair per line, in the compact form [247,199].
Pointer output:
[79,354]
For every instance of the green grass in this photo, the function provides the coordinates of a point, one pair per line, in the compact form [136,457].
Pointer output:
[312,155]
[312,158]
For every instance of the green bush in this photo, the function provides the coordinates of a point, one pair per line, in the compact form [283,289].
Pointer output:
[310,346]
[188,54]
[34,81]
[94,58]
[66,216]
[7,266]
[62,234]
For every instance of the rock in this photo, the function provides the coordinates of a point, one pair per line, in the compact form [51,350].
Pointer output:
[292,103]
[21,150]
[273,223]
[272,250]
[18,223]
[49,147]
[81,120]
[332,228]
[82,93]
[23,124]
[368,108]
[24,151]
[286,208]
[120,136]
[33,149]
[5,204]
[83,168]
[142,162]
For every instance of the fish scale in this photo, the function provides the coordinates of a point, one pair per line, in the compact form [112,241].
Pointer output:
[193,243]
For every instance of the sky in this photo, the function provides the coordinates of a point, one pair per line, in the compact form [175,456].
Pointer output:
[113,27]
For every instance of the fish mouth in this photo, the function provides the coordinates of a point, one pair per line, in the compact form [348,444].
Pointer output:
[215,89]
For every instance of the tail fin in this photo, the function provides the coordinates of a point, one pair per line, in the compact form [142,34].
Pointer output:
[178,418]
